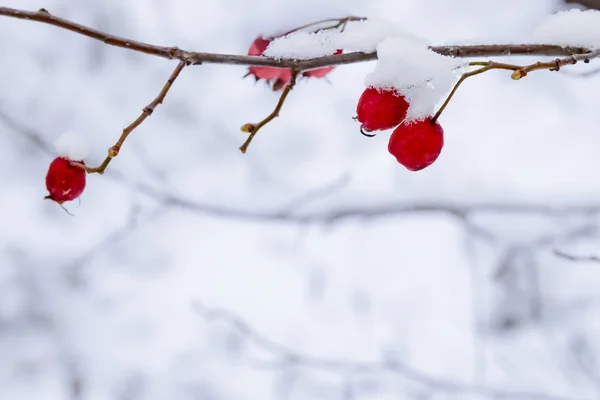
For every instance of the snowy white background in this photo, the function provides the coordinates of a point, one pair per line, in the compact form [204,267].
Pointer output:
[188,264]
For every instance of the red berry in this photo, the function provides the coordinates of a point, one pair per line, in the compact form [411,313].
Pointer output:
[321,72]
[380,109]
[64,181]
[279,76]
[417,144]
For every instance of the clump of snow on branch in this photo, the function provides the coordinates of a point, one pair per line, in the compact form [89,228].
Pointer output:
[72,146]
[405,61]
[356,36]
[421,75]
[570,28]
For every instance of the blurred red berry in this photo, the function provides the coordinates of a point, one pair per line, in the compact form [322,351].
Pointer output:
[417,144]
[321,72]
[381,109]
[278,76]
[63,181]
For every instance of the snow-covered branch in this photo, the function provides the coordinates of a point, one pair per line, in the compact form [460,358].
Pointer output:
[196,58]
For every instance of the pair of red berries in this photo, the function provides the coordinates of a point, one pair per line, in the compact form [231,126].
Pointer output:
[415,144]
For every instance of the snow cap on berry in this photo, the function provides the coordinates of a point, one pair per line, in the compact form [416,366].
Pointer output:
[420,74]
[72,145]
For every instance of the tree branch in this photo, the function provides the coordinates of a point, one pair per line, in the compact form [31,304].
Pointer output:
[594,4]
[289,357]
[195,58]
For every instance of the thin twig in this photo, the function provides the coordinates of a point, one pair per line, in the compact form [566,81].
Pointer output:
[519,71]
[253,128]
[486,66]
[146,112]
[194,58]
[555,65]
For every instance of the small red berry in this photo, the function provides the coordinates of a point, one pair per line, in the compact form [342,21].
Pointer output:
[64,181]
[417,144]
[279,76]
[320,72]
[380,109]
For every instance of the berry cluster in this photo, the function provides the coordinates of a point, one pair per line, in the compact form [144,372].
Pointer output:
[415,144]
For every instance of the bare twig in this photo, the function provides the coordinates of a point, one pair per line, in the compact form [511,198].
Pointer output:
[555,65]
[253,128]
[146,112]
[289,357]
[486,66]
[518,71]
[594,4]
[192,57]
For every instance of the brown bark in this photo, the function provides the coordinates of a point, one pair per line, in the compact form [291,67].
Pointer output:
[594,4]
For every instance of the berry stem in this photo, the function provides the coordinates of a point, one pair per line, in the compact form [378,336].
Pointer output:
[253,128]
[485,66]
[146,112]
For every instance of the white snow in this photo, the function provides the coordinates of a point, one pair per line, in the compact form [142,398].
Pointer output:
[357,36]
[420,74]
[72,145]
[570,28]
[404,61]
[416,286]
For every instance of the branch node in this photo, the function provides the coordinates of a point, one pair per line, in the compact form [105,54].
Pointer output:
[248,127]
[173,51]
[113,151]
[518,74]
